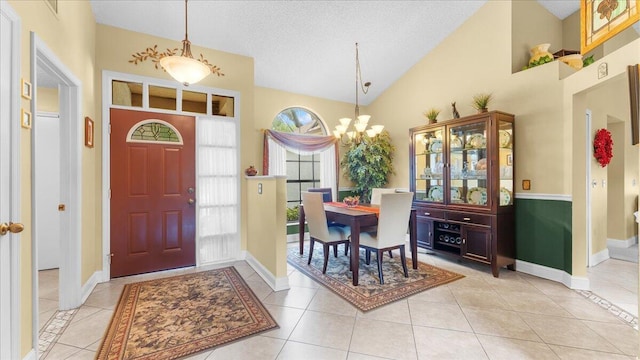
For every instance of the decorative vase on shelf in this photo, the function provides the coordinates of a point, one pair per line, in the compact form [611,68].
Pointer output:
[251,171]
[539,51]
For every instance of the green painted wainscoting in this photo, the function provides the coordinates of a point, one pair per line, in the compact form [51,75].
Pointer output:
[543,232]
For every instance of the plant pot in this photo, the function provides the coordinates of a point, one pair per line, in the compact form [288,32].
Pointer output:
[483,110]
[433,121]
[251,171]
[539,51]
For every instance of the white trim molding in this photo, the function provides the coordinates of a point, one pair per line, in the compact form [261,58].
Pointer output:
[10,326]
[277,284]
[617,243]
[88,287]
[572,282]
[599,257]
[31,355]
[537,196]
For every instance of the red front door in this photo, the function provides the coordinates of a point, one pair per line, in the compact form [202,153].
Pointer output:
[152,188]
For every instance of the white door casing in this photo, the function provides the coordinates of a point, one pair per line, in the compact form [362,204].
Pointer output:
[9,180]
[71,141]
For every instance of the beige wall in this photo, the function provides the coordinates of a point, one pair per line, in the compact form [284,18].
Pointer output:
[532,25]
[612,100]
[113,54]
[571,32]
[576,92]
[269,102]
[477,57]
[48,100]
[534,96]
[71,36]
[267,238]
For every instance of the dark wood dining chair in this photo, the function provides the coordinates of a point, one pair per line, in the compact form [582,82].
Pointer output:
[320,231]
[395,210]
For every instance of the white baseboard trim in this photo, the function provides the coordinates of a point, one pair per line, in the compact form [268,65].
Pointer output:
[277,284]
[616,243]
[88,287]
[31,355]
[242,255]
[572,282]
[599,257]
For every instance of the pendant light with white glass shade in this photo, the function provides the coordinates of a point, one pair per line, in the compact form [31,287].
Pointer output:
[184,68]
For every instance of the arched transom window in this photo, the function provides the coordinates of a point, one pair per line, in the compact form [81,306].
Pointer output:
[303,170]
[298,120]
[154,131]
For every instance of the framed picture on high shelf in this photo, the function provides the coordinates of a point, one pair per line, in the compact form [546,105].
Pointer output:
[88,132]
[600,20]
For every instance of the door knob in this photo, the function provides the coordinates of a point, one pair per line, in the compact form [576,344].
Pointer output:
[11,227]
[191,201]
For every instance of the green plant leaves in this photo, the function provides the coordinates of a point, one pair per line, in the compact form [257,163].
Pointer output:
[368,164]
[543,60]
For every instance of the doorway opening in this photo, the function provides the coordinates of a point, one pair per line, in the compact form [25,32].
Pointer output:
[48,71]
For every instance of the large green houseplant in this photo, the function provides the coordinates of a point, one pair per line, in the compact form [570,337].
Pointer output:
[368,164]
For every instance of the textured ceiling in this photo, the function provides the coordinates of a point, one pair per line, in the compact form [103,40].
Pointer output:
[307,47]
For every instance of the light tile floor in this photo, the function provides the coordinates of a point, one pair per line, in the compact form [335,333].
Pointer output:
[616,281]
[516,316]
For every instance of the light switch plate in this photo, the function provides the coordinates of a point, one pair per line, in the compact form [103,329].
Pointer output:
[260,188]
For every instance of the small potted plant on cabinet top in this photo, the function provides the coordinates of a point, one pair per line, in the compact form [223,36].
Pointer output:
[432,115]
[481,102]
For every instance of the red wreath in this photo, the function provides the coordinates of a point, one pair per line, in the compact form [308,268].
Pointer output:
[603,147]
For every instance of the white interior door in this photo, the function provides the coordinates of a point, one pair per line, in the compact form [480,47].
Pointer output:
[9,185]
[47,189]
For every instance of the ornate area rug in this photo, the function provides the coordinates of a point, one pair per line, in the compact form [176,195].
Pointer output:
[177,316]
[369,294]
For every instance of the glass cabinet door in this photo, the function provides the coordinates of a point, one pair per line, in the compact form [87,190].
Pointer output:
[468,164]
[505,160]
[429,165]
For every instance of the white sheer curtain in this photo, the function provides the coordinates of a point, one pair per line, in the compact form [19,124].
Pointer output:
[328,171]
[277,159]
[218,194]
[278,163]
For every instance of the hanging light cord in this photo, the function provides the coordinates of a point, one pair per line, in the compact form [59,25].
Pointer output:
[364,86]
[186,44]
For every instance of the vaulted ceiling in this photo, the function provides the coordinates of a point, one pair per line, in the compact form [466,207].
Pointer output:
[308,47]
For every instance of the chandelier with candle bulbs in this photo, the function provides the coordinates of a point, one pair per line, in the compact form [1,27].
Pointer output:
[359,132]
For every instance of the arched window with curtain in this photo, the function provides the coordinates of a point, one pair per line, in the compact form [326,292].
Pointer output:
[298,147]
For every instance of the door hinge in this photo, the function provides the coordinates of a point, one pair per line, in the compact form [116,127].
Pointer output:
[109,194]
[109,128]
[110,256]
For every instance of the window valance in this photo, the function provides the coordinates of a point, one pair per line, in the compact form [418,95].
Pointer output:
[300,143]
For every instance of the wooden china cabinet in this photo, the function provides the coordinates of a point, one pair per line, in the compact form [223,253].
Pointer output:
[461,172]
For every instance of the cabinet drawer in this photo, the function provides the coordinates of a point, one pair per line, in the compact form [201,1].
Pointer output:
[469,218]
[431,213]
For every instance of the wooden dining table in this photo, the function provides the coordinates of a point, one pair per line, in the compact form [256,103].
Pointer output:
[356,218]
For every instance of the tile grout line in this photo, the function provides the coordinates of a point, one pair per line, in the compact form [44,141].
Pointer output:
[52,330]
[607,305]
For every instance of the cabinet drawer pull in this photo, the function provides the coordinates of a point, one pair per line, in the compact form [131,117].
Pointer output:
[466,219]
[464,241]
[427,213]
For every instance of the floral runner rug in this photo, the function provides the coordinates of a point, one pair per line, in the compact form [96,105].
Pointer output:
[172,317]
[369,294]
